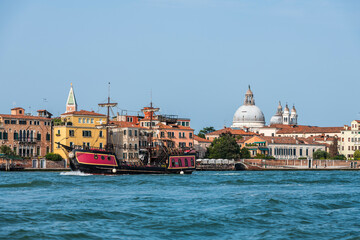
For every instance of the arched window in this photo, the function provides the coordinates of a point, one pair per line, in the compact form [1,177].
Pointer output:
[180,162]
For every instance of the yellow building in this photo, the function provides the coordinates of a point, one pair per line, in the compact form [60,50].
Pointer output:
[79,128]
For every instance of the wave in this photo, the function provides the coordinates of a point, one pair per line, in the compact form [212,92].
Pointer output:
[35,183]
[74,173]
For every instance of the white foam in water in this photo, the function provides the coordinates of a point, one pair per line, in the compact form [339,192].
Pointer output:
[74,173]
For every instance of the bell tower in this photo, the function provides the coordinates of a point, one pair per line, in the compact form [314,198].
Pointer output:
[71,104]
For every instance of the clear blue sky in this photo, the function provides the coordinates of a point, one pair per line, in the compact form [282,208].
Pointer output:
[196,56]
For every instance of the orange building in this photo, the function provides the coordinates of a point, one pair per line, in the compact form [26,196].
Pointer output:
[26,135]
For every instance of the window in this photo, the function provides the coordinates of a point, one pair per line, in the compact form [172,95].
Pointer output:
[86,133]
[130,146]
[124,155]
[23,122]
[71,144]
[92,120]
[192,162]
[190,135]
[88,144]
[124,132]
[300,151]
[190,144]
[162,134]
[71,133]
[173,162]
[7,121]
[47,136]
[87,120]
[38,137]
[186,162]
[79,120]
[13,121]
[130,132]
[83,120]
[30,122]
[135,133]
[101,134]
[16,136]
[180,162]
[135,146]
[179,134]
[101,146]
[124,145]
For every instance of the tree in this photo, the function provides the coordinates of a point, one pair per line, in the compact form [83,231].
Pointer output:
[205,130]
[6,150]
[318,154]
[224,147]
[339,157]
[245,153]
[357,155]
[53,157]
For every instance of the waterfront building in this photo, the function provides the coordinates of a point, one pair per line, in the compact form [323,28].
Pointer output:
[281,130]
[349,140]
[283,147]
[166,129]
[79,128]
[201,145]
[26,135]
[125,137]
[239,133]
[248,115]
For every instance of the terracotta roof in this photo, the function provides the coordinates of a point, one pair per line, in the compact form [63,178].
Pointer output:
[358,121]
[289,140]
[23,117]
[231,131]
[84,113]
[124,124]
[308,129]
[199,139]
[244,139]
[17,108]
[173,127]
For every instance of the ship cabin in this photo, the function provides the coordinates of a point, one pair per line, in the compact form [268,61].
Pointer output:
[182,162]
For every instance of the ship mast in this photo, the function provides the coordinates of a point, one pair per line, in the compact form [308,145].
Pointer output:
[108,105]
[150,110]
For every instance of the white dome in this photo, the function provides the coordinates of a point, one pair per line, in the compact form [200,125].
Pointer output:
[276,119]
[248,116]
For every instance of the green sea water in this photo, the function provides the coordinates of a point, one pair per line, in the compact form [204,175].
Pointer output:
[204,205]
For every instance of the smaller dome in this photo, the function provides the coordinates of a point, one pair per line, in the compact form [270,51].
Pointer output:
[276,119]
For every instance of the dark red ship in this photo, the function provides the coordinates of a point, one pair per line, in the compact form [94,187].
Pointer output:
[155,160]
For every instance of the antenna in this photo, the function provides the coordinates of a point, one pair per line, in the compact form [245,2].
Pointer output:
[150,97]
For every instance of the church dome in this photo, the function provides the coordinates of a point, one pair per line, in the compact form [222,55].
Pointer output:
[276,119]
[248,115]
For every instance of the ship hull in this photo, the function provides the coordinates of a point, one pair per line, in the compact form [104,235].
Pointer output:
[106,163]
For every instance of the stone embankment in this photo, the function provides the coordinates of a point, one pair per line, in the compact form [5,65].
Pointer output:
[278,164]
